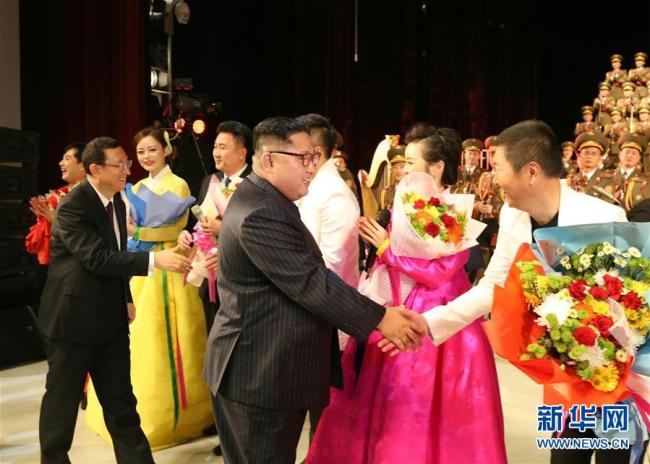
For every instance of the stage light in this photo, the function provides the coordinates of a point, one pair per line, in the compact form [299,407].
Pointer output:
[179,125]
[198,127]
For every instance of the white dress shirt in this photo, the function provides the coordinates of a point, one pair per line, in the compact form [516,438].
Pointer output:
[213,193]
[330,211]
[116,227]
[514,229]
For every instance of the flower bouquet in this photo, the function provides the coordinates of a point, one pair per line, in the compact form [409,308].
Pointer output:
[425,226]
[150,209]
[573,315]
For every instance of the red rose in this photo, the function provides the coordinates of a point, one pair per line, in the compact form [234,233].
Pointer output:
[614,286]
[448,221]
[585,336]
[419,204]
[432,229]
[433,201]
[577,289]
[599,293]
[631,301]
[602,323]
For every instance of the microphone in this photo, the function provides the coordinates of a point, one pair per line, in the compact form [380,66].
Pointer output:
[383,219]
[198,213]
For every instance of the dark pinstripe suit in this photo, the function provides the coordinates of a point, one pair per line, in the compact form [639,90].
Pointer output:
[269,350]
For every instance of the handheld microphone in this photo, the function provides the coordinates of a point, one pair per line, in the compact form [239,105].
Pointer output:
[383,219]
[198,213]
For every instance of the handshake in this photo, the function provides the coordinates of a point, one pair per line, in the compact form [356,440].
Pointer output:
[402,330]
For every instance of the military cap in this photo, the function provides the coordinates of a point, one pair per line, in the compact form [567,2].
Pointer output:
[470,144]
[587,109]
[632,140]
[640,56]
[644,109]
[591,140]
[568,144]
[614,111]
[616,57]
[396,154]
[604,85]
[629,85]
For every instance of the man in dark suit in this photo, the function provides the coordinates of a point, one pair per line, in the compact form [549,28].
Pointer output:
[233,149]
[86,306]
[269,350]
[232,152]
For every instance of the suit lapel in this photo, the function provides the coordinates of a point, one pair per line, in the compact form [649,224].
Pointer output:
[97,208]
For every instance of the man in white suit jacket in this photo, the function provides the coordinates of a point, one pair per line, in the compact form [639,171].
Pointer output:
[528,166]
[330,211]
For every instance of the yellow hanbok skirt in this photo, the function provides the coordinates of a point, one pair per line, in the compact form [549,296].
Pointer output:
[168,340]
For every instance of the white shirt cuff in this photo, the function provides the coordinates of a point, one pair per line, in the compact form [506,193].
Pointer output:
[150,265]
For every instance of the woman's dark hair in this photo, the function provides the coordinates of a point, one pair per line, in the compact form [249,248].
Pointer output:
[159,136]
[438,144]
[78,149]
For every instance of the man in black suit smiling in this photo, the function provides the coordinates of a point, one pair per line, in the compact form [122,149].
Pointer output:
[86,306]
[269,350]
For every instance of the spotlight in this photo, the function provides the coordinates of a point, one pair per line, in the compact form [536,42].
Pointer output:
[198,127]
[179,125]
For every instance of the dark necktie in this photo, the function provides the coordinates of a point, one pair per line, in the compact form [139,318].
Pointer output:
[227,181]
[109,212]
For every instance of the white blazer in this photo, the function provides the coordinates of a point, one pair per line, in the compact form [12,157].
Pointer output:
[330,211]
[514,229]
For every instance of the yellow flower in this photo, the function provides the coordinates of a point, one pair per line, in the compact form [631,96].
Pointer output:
[605,378]
[638,287]
[598,307]
[638,320]
[532,299]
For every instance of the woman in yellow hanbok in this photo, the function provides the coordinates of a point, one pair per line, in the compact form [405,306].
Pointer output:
[168,336]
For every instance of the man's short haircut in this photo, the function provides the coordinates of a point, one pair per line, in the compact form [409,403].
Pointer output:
[240,132]
[77,149]
[532,140]
[322,126]
[94,151]
[279,128]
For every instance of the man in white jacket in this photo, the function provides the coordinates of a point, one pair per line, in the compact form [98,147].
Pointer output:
[528,166]
[330,211]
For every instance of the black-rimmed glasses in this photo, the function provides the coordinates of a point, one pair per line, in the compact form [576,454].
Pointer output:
[307,158]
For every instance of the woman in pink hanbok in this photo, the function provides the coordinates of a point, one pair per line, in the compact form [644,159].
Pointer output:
[440,404]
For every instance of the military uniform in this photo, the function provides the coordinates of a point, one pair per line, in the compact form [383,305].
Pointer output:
[629,103]
[601,183]
[641,74]
[604,103]
[616,78]
[642,127]
[570,165]
[468,177]
[586,126]
[638,189]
